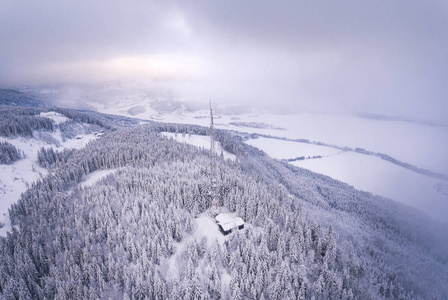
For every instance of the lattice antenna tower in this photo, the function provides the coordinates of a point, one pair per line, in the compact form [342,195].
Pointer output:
[212,133]
[212,162]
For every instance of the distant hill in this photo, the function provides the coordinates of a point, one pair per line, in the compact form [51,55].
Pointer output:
[16,98]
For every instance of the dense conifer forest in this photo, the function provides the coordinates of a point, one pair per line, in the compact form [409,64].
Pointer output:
[9,153]
[133,234]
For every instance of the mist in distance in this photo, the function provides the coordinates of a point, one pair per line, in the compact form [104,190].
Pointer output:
[376,58]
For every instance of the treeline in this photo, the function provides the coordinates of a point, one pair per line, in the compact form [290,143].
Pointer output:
[16,98]
[19,121]
[9,153]
[256,125]
[22,121]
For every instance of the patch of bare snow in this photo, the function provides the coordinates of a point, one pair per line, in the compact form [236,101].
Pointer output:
[57,118]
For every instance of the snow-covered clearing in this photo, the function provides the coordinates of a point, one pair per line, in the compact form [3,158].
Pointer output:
[94,177]
[414,143]
[57,118]
[201,141]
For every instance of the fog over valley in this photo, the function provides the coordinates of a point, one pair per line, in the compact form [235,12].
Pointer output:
[377,58]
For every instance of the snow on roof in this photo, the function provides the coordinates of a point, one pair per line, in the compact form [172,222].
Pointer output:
[228,222]
[224,218]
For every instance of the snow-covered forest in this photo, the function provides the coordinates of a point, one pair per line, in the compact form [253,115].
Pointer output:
[134,233]
[9,153]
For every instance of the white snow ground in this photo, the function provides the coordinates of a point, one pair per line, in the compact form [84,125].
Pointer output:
[380,177]
[364,172]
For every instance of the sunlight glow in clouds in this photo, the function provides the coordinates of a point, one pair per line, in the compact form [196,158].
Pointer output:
[141,68]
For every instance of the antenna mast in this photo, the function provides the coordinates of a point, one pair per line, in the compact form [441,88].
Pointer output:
[212,163]
[212,132]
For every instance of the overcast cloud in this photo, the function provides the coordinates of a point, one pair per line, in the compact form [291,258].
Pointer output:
[384,57]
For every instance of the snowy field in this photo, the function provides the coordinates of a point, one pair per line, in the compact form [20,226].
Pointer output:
[57,118]
[383,178]
[15,178]
[365,172]
[286,149]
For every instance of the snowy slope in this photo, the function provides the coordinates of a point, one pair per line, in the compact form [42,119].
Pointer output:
[16,178]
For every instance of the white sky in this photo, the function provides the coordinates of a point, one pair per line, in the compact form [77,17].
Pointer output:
[382,57]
